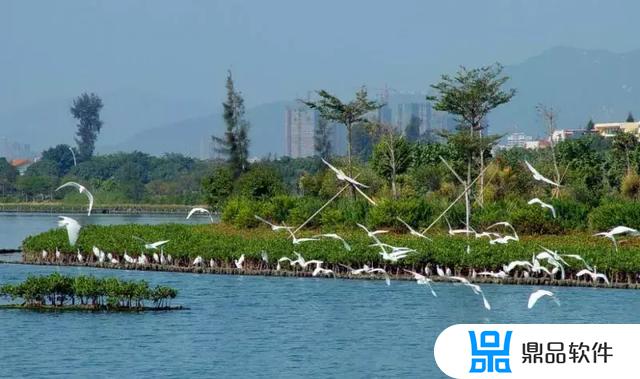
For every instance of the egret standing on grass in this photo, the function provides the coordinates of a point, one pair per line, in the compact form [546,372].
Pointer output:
[81,189]
[200,210]
[72,226]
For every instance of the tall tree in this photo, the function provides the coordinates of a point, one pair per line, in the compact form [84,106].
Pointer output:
[630,118]
[590,125]
[412,130]
[471,95]
[235,142]
[392,156]
[333,109]
[550,120]
[86,109]
[322,138]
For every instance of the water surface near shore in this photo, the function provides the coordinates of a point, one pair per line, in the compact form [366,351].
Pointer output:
[14,227]
[250,326]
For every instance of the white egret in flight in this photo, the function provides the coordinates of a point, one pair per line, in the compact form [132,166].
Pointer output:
[335,237]
[238,262]
[72,226]
[618,230]
[422,280]
[274,227]
[354,183]
[535,200]
[199,210]
[539,177]
[594,275]
[537,295]
[412,231]
[324,271]
[81,189]
[153,245]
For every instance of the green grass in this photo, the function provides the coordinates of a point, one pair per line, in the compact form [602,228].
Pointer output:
[224,243]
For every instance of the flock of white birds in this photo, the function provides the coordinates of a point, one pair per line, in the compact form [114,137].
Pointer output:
[546,262]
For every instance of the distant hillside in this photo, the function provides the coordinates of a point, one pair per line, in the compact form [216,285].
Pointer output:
[192,136]
[578,83]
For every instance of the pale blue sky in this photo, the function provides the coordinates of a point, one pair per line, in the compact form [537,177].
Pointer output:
[280,49]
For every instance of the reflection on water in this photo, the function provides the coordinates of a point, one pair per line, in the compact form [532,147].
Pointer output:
[14,227]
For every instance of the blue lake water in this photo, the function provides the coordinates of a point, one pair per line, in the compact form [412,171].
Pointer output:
[275,327]
[14,227]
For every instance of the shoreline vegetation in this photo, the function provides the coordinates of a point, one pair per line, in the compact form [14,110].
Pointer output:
[86,293]
[58,207]
[395,275]
[219,245]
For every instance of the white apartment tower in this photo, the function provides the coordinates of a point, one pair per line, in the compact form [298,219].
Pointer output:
[299,126]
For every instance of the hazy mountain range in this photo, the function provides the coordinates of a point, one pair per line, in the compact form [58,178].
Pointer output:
[580,84]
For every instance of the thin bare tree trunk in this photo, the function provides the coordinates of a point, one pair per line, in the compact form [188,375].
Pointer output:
[393,168]
[350,168]
[481,195]
[467,201]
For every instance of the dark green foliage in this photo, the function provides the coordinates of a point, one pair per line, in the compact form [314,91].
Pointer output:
[130,177]
[234,145]
[614,213]
[86,109]
[590,125]
[630,118]
[472,94]
[417,212]
[224,244]
[392,156]
[349,114]
[61,156]
[8,175]
[58,290]
[262,181]
[218,186]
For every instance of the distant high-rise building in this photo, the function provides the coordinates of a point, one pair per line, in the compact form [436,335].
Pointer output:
[407,111]
[384,114]
[14,150]
[299,127]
